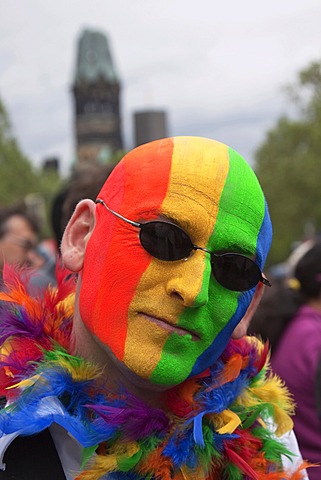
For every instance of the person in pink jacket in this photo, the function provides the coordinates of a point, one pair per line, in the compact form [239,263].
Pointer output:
[297,356]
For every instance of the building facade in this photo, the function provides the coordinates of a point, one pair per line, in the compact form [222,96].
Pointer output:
[96,93]
[150,125]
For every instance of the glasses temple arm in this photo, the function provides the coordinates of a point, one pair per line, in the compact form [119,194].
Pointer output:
[265,281]
[135,224]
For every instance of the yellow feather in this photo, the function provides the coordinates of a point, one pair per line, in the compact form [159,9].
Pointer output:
[108,463]
[231,422]
[25,383]
[284,423]
[102,464]
[84,371]
[187,474]
[67,305]
[125,449]
[273,391]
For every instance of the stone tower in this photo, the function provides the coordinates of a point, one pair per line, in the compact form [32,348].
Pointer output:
[149,125]
[96,91]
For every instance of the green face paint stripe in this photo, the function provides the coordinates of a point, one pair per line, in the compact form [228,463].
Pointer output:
[229,225]
[237,229]
[239,224]
[230,219]
[194,349]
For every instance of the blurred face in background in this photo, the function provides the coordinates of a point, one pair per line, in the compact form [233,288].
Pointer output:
[17,240]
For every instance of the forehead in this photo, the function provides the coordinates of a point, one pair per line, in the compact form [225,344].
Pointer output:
[193,180]
[214,189]
[18,224]
[199,169]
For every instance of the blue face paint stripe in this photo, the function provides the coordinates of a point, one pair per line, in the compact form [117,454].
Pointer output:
[215,350]
[264,239]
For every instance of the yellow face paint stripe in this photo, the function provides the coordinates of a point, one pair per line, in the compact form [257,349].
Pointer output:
[203,179]
[198,174]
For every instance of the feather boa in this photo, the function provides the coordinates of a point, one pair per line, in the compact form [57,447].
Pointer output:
[214,427]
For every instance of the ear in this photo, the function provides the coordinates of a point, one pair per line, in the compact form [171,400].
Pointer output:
[76,235]
[241,328]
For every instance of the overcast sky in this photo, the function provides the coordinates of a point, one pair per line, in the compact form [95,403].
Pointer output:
[217,68]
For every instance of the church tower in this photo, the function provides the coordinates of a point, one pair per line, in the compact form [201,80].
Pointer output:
[96,90]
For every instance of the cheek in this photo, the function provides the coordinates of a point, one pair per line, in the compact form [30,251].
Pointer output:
[210,322]
[222,306]
[109,283]
[14,254]
[181,357]
[213,317]
[223,317]
[145,340]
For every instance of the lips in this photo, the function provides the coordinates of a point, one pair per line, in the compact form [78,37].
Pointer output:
[163,323]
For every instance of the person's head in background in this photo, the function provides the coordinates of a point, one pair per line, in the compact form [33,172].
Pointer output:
[18,236]
[301,286]
[85,182]
[306,281]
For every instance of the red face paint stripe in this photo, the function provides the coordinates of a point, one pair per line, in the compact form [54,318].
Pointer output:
[138,191]
[100,241]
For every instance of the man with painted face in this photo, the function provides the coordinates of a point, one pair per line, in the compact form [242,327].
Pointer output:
[152,304]
[149,379]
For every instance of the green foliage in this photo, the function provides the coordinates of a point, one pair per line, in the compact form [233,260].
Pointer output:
[288,165]
[19,181]
[17,176]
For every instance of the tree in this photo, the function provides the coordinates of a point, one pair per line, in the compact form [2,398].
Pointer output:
[19,181]
[288,165]
[17,176]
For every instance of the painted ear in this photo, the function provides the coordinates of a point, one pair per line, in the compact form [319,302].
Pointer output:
[241,329]
[76,235]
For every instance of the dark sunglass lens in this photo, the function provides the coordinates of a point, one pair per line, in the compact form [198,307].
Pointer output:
[165,241]
[235,272]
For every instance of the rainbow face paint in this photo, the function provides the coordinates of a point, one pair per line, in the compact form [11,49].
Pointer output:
[164,320]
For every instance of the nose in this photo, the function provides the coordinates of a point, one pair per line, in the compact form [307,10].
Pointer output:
[189,280]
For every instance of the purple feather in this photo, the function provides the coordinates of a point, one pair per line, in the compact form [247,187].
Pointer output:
[137,419]
[16,321]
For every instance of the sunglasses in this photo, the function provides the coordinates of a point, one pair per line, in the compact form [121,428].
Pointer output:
[169,242]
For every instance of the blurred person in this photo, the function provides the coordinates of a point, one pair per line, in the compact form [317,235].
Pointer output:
[279,304]
[42,262]
[18,236]
[149,375]
[297,354]
[20,247]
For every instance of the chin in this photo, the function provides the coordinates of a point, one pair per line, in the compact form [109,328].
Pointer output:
[124,375]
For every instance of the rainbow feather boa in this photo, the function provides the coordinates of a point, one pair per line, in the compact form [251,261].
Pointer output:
[214,427]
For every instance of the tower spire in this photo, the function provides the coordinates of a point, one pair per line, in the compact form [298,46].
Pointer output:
[96,91]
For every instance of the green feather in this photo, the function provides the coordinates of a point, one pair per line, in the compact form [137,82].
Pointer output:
[87,453]
[127,463]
